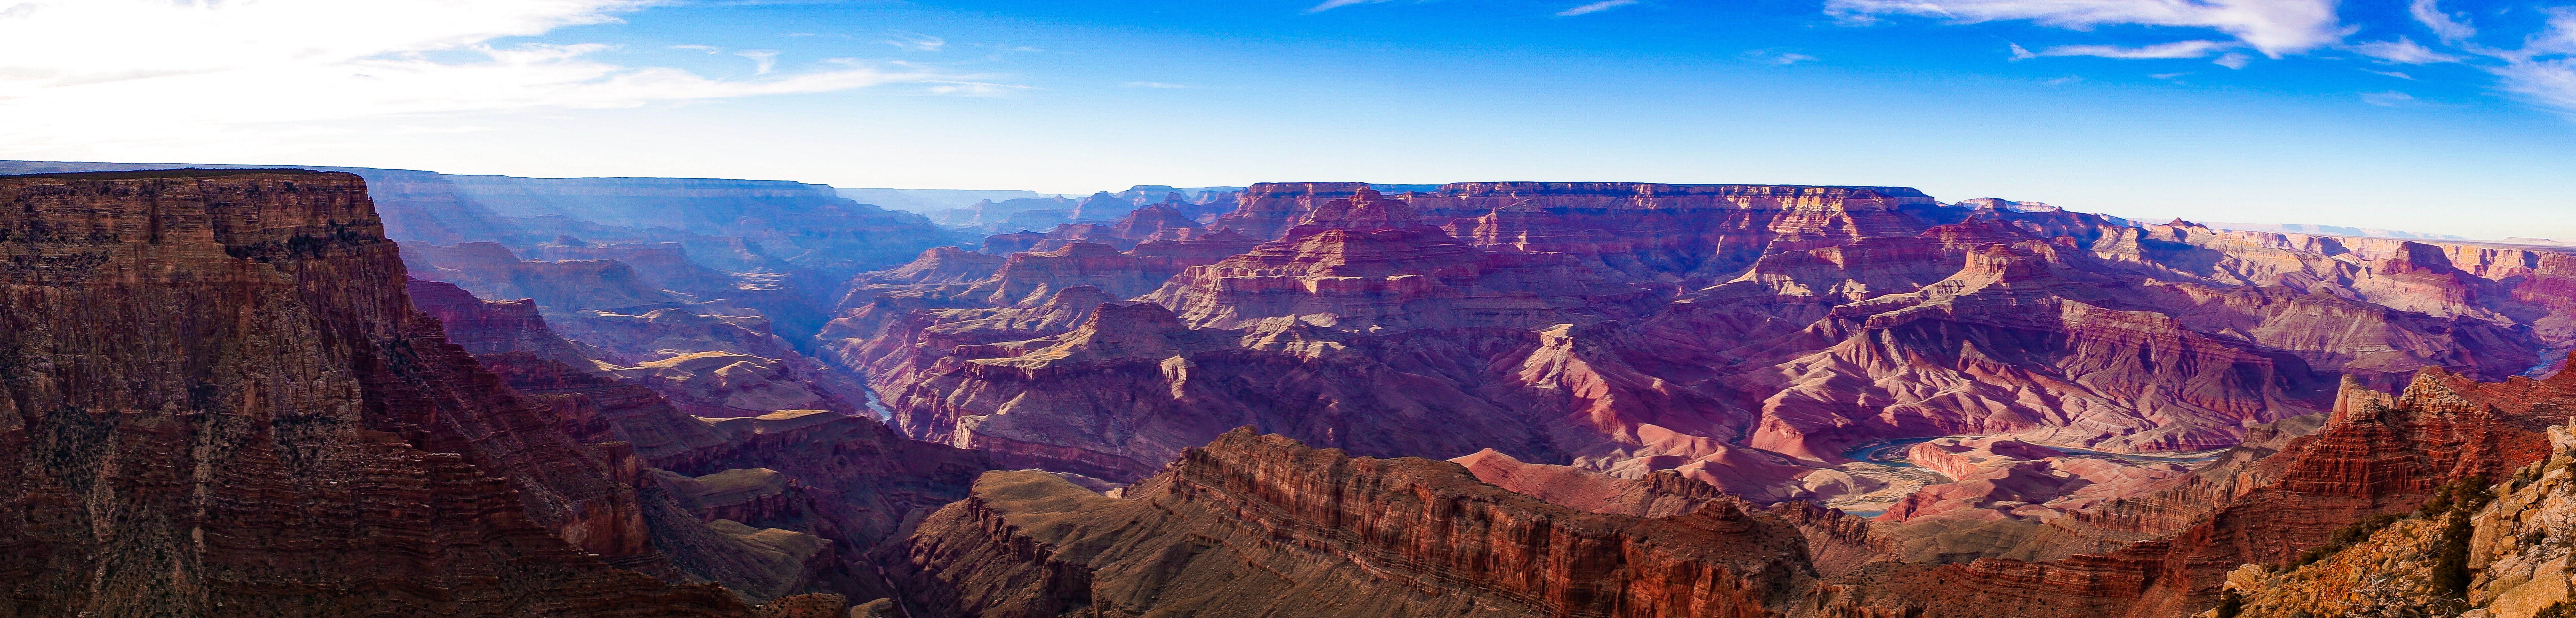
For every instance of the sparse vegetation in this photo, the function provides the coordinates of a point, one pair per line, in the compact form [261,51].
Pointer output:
[2455,503]
[2348,536]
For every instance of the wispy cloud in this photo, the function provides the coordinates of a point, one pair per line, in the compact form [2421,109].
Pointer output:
[1335,4]
[2550,83]
[704,48]
[105,72]
[2442,24]
[1775,57]
[1152,85]
[2390,98]
[2233,60]
[2169,76]
[2403,51]
[975,89]
[2395,74]
[917,42]
[2273,27]
[1595,7]
[2177,49]
[762,60]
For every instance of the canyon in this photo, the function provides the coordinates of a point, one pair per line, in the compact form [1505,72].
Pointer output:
[642,396]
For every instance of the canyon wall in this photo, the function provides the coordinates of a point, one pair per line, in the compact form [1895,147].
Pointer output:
[220,401]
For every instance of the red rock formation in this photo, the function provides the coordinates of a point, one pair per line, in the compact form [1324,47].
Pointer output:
[1260,525]
[853,480]
[492,326]
[2370,459]
[1830,317]
[229,359]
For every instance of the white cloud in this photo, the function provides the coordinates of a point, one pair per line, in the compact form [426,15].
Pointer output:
[81,73]
[1775,57]
[2550,83]
[2403,51]
[2395,74]
[2233,61]
[2169,76]
[975,89]
[2274,27]
[918,42]
[704,48]
[1595,7]
[2020,53]
[1335,4]
[2177,49]
[2451,30]
[2558,38]
[2390,98]
[762,60]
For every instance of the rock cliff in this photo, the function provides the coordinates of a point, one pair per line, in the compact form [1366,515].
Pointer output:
[220,401]
[1260,525]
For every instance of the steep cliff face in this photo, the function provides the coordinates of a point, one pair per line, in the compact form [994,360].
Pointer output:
[2377,456]
[1260,525]
[220,401]
[769,503]
[2498,551]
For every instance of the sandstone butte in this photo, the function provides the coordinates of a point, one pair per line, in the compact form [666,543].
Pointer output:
[1748,336]
[222,401]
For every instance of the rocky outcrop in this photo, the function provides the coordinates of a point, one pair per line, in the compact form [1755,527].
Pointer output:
[783,501]
[1260,525]
[221,401]
[1658,495]
[2492,551]
[2373,460]
[2000,478]
[492,326]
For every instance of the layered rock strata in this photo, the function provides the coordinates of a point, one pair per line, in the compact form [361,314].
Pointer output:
[222,402]
[1259,525]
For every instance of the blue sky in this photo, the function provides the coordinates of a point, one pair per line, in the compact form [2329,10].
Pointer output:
[2451,117]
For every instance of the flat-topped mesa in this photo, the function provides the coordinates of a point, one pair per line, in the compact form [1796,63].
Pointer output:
[232,356]
[1261,525]
[1654,196]
[1267,210]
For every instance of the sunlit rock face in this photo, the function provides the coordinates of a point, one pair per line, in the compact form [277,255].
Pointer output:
[1748,336]
[1261,525]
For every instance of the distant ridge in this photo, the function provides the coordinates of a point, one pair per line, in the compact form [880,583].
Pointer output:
[2332,230]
